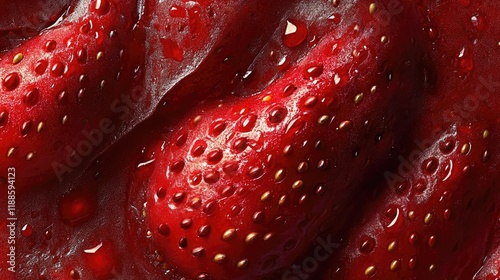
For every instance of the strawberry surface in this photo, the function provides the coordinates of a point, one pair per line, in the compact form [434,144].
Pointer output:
[60,90]
[251,139]
[242,186]
[435,220]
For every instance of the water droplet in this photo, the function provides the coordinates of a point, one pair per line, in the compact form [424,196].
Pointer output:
[277,114]
[11,81]
[313,72]
[335,18]
[50,45]
[41,66]
[214,157]
[240,144]
[177,166]
[81,55]
[413,239]
[3,118]
[247,123]
[57,69]
[26,230]
[395,219]
[101,259]
[430,165]
[31,97]
[164,229]
[295,33]
[172,50]
[447,146]
[77,207]
[180,140]
[102,7]
[412,263]
[294,126]
[367,245]
[177,11]
[211,176]
[217,128]
[465,62]
[198,148]
[340,78]
[477,22]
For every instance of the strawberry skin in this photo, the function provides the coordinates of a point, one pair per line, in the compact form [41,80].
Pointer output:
[24,19]
[434,221]
[491,268]
[240,188]
[59,91]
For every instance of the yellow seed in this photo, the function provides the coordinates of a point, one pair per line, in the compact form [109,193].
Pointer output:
[197,119]
[282,200]
[384,39]
[323,120]
[358,98]
[373,89]
[428,218]
[395,264]
[392,246]
[11,152]
[465,149]
[486,133]
[302,167]
[265,196]
[345,125]
[372,8]
[411,215]
[242,264]
[229,234]
[39,128]
[64,119]
[370,271]
[297,184]
[149,233]
[17,58]
[431,267]
[250,238]
[279,175]
[30,156]
[220,258]
[99,55]
[268,236]
[266,98]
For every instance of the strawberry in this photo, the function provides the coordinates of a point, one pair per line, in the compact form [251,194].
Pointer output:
[431,223]
[61,91]
[240,187]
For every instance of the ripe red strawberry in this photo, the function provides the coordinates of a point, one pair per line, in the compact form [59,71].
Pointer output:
[241,187]
[61,93]
[435,219]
